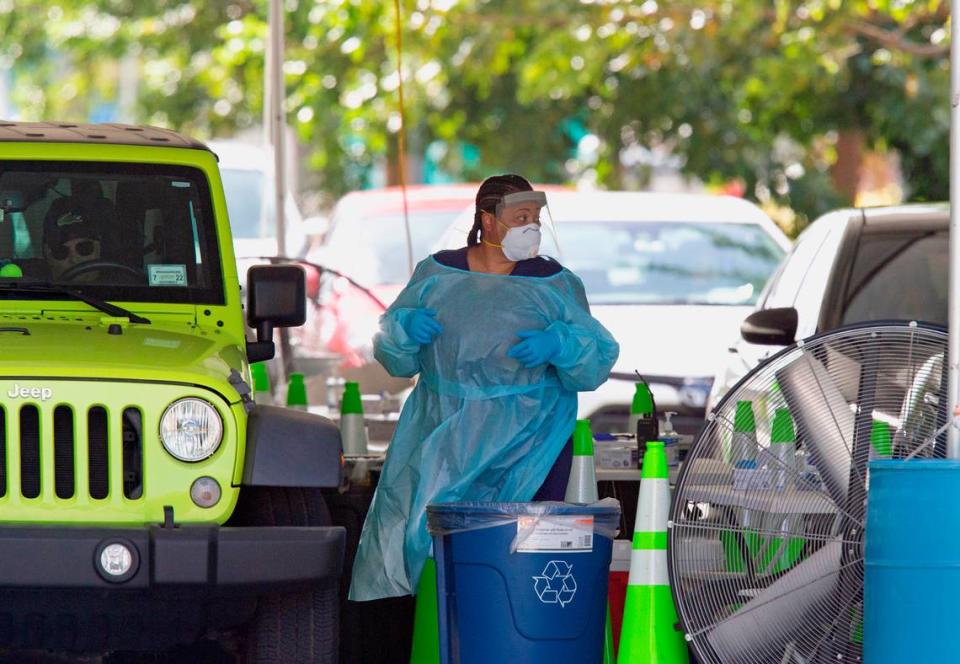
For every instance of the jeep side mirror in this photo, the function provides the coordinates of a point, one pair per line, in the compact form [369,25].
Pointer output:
[276,297]
[770,327]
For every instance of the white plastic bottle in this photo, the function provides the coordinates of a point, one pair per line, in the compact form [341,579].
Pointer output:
[671,440]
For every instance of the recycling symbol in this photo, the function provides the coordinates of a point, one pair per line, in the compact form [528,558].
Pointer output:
[556,583]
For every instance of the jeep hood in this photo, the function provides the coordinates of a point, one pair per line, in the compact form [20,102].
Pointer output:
[84,348]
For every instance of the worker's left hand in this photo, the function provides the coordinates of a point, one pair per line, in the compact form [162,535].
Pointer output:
[538,347]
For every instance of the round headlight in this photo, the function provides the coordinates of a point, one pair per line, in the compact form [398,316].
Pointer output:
[191,429]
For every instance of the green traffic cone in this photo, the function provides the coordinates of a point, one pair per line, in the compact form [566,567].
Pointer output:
[881,442]
[609,650]
[261,383]
[296,391]
[582,485]
[426,623]
[744,445]
[353,427]
[649,633]
[783,447]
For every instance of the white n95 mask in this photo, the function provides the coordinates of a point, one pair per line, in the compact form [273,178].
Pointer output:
[522,242]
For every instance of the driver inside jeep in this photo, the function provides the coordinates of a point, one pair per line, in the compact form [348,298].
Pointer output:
[72,239]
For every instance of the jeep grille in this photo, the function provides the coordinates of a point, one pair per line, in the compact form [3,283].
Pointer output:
[101,434]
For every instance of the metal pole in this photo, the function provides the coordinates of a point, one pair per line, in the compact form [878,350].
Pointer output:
[275,93]
[953,350]
[277,133]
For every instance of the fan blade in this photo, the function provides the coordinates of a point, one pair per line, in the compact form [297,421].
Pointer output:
[824,420]
[761,629]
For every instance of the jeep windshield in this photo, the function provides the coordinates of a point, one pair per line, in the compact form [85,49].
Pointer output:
[112,231]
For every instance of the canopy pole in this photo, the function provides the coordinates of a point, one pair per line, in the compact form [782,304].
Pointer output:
[274,128]
[275,100]
[953,319]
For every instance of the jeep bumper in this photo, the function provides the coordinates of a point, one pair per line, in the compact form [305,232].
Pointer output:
[202,557]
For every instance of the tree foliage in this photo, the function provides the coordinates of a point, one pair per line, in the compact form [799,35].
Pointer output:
[759,92]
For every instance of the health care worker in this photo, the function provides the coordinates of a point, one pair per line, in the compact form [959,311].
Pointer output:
[502,340]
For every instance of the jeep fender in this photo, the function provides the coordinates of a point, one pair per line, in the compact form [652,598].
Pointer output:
[287,447]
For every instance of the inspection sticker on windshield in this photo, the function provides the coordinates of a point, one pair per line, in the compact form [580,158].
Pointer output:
[167,275]
[554,534]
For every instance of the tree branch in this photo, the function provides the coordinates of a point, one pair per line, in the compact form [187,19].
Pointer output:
[896,41]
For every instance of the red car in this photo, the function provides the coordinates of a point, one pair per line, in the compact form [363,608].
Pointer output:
[367,242]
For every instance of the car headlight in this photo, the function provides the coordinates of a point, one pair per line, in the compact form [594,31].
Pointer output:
[191,429]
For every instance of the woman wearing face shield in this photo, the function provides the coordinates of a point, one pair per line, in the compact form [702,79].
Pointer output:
[502,340]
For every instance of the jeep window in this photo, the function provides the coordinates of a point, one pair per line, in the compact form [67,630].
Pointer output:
[899,276]
[117,231]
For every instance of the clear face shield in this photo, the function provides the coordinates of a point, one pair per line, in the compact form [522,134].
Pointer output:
[523,216]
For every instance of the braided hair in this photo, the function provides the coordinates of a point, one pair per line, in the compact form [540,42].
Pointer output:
[491,192]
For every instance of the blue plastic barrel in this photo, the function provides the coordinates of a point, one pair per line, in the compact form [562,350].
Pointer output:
[912,568]
[545,602]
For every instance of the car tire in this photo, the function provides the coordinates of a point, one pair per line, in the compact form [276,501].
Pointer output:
[300,627]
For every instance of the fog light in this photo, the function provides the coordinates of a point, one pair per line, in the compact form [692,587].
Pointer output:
[117,561]
[205,492]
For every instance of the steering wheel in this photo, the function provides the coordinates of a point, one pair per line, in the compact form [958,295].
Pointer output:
[75,271]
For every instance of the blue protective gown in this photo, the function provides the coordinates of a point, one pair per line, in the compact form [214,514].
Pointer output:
[478,425]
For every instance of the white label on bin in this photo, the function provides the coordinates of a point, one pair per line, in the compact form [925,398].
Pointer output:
[556,534]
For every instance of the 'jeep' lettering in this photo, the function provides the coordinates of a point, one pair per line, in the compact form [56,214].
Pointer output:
[41,393]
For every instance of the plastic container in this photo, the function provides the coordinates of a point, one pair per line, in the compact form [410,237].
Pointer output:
[671,440]
[912,568]
[643,417]
[522,582]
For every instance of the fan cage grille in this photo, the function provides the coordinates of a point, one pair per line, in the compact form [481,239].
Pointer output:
[766,558]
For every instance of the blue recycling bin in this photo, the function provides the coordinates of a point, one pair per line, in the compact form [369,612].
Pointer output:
[522,582]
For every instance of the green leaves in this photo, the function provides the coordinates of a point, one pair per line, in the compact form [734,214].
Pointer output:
[722,86]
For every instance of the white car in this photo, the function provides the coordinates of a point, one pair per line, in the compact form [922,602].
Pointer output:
[247,173]
[671,276]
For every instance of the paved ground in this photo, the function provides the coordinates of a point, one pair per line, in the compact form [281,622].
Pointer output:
[203,655]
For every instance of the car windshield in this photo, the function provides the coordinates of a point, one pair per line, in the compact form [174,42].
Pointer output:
[669,262]
[244,193]
[902,276]
[373,249]
[115,231]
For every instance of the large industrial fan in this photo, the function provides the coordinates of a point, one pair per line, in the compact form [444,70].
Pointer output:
[767,523]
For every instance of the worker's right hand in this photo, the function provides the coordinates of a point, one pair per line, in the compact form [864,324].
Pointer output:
[422,326]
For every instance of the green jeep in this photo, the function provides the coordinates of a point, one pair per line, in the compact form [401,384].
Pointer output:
[145,500]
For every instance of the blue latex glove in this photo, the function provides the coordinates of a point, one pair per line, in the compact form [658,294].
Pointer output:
[422,326]
[538,347]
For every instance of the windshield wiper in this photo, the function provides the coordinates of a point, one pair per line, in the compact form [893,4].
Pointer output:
[96,303]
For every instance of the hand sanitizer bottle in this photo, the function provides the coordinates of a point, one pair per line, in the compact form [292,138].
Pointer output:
[671,440]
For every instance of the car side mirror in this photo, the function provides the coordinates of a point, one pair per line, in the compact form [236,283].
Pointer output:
[770,327]
[276,297]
